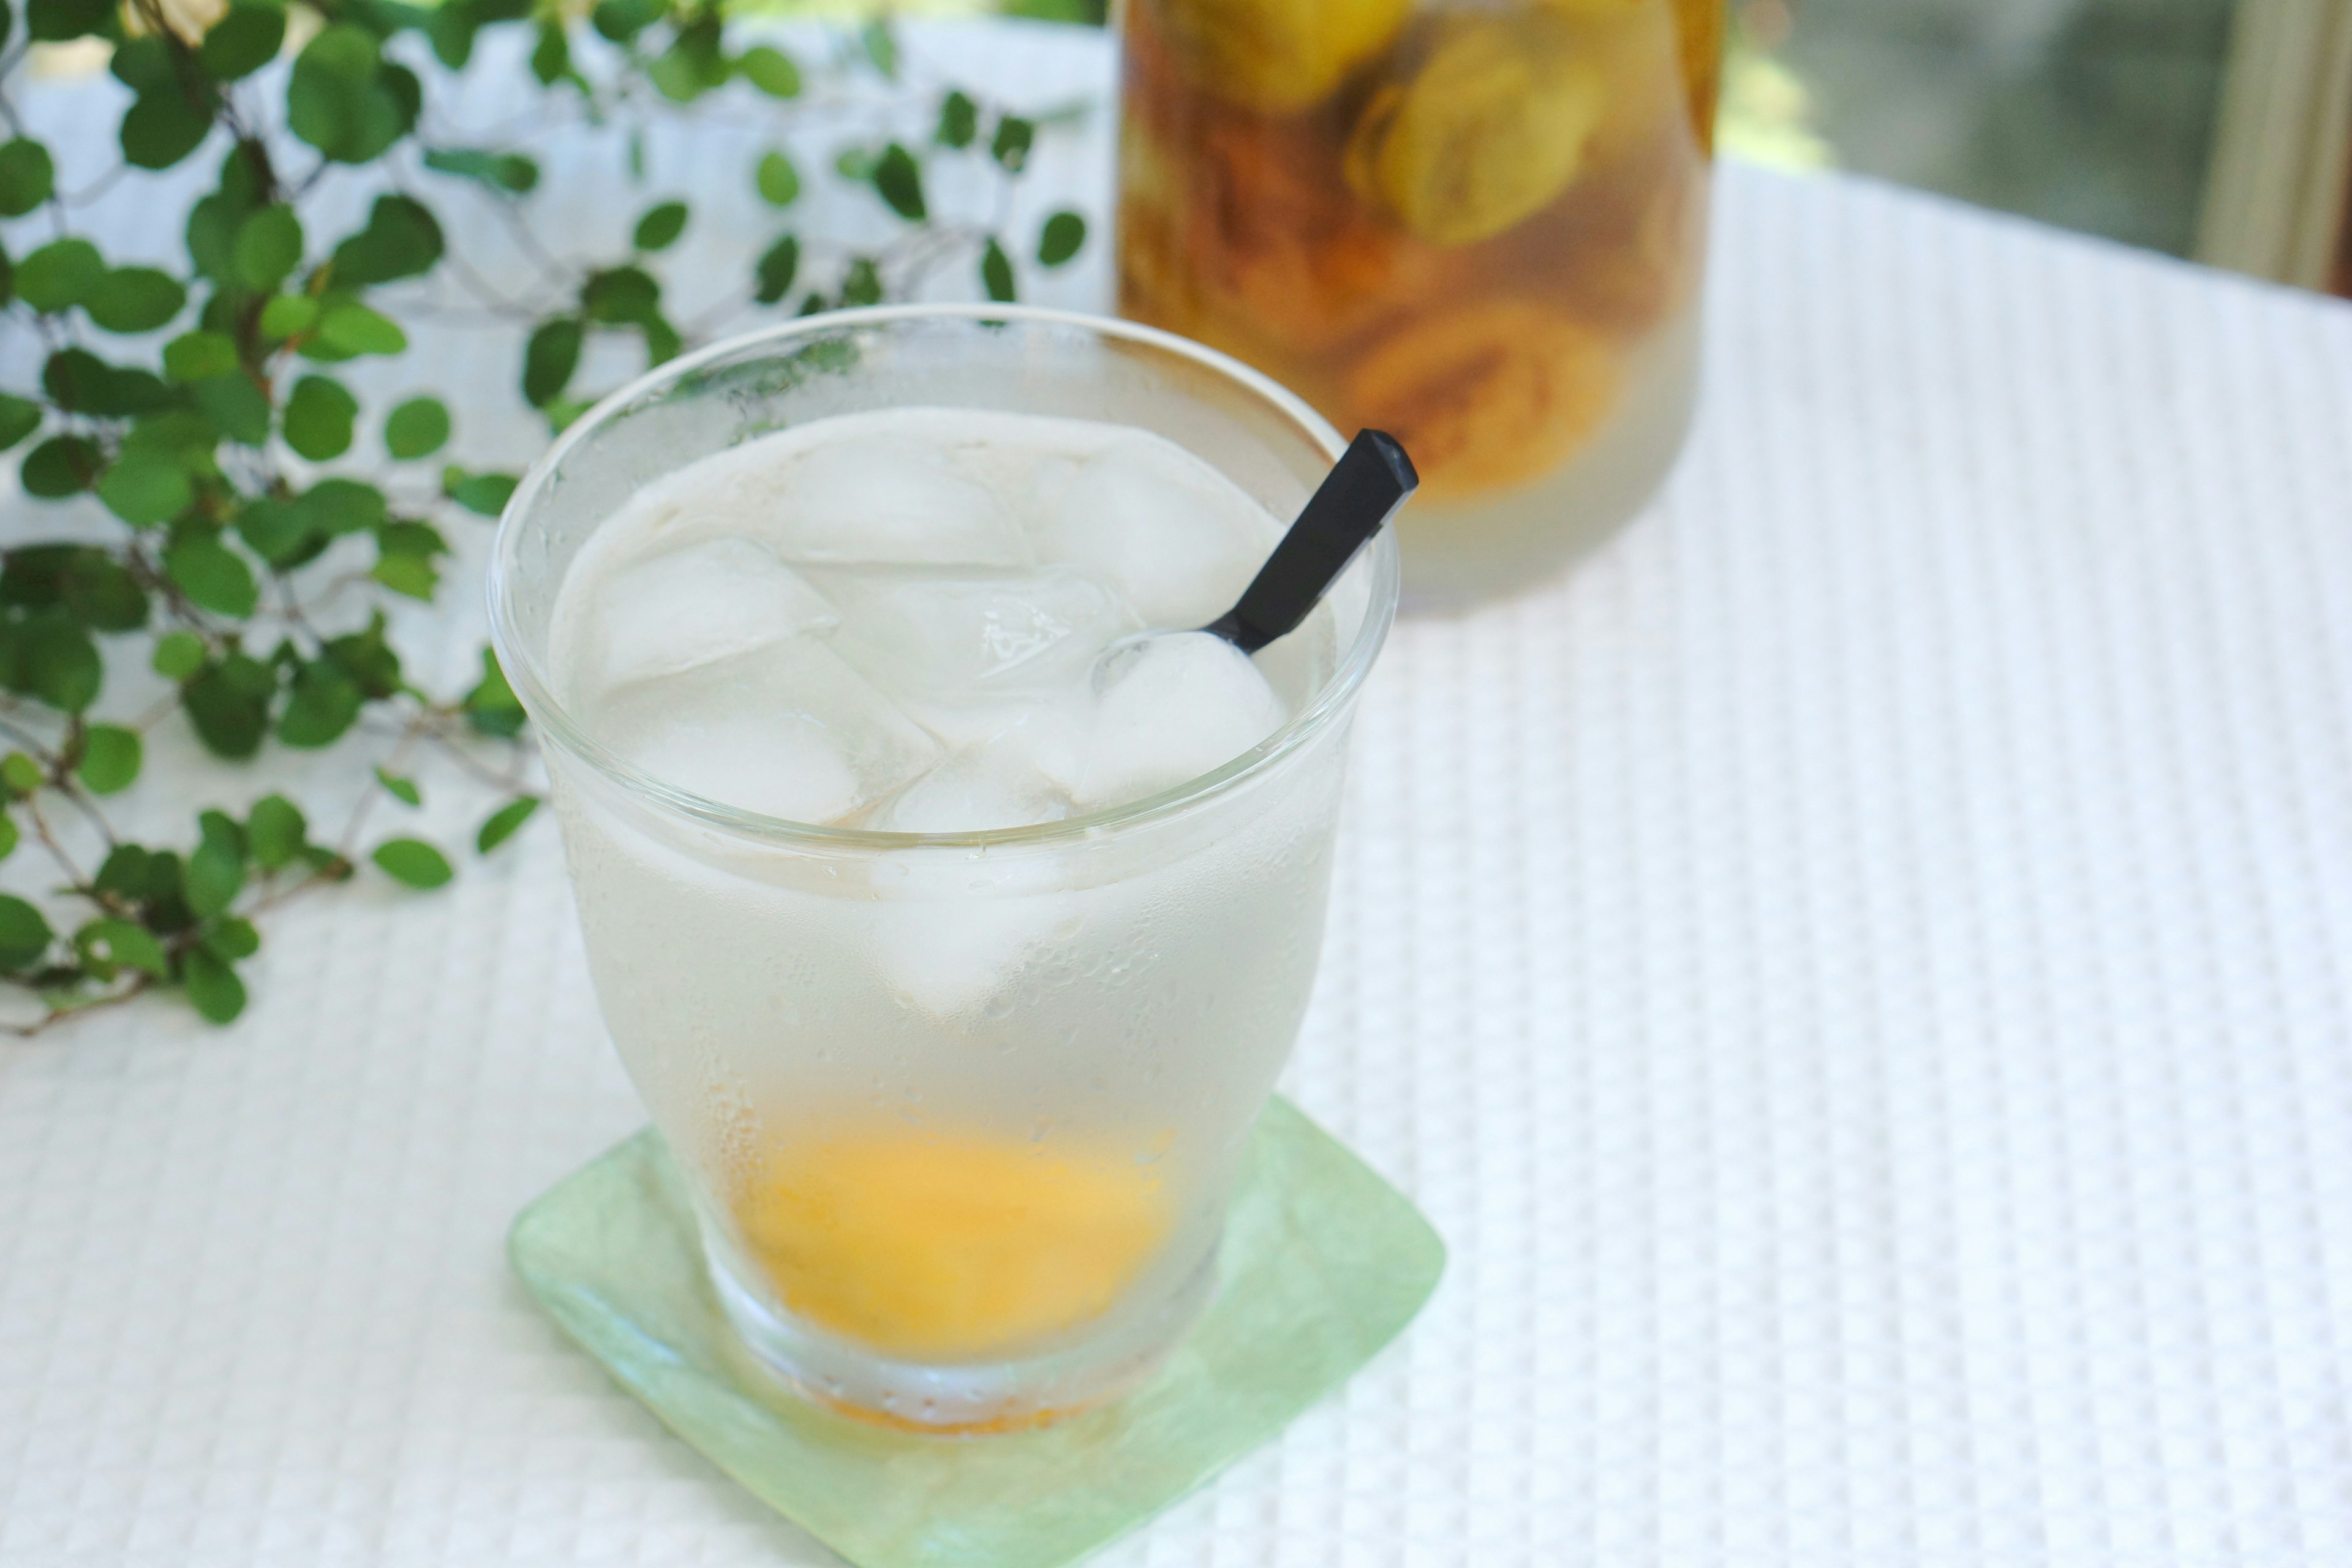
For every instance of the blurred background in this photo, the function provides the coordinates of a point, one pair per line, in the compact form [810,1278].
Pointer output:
[2216,129]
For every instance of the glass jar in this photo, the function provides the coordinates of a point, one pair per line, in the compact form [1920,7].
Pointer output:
[1480,225]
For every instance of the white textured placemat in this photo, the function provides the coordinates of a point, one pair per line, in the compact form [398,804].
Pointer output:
[1859,976]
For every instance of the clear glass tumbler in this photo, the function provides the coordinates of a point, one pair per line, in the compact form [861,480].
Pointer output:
[960,1112]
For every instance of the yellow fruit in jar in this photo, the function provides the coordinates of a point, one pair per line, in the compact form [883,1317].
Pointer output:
[1486,397]
[1490,131]
[949,1246]
[1288,255]
[1698,25]
[1277,55]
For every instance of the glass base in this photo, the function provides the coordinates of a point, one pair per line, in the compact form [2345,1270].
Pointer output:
[1458,554]
[959,1398]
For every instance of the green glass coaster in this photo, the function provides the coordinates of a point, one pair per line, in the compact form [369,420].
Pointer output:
[1323,1264]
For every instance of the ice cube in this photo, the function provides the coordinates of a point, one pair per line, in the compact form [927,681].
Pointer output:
[787,729]
[951,955]
[995,784]
[698,604]
[1177,537]
[890,497]
[969,640]
[1176,707]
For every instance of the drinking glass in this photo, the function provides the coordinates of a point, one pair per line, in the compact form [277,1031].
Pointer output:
[959,1112]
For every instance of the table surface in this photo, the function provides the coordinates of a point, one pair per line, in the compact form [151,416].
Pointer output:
[1861,975]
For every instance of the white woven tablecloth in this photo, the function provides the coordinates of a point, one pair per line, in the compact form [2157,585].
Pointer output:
[1861,975]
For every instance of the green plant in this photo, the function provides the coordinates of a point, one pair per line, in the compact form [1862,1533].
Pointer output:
[202,408]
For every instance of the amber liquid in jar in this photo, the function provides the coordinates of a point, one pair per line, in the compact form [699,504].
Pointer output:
[1481,227]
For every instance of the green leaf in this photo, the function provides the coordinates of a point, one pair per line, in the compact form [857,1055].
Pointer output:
[231,937]
[508,171]
[79,380]
[492,706]
[855,163]
[619,294]
[284,533]
[401,789]
[484,493]
[111,756]
[410,575]
[26,177]
[61,465]
[211,575]
[779,181]
[996,273]
[503,822]
[881,47]
[289,316]
[1061,237]
[129,872]
[8,834]
[776,269]
[318,417]
[144,487]
[217,866]
[200,355]
[97,588]
[416,428]
[413,862]
[237,405]
[135,300]
[1013,138]
[899,179]
[245,39]
[345,55]
[409,537]
[367,658]
[402,239]
[19,417]
[162,127]
[548,359]
[25,934]
[451,28]
[274,832]
[111,945]
[214,989]
[268,248]
[228,703]
[143,63]
[621,20]
[551,56]
[353,328]
[178,655]
[55,21]
[338,507]
[21,775]
[59,664]
[59,275]
[661,226]
[959,121]
[862,284]
[348,102]
[662,341]
[321,705]
[771,70]
[85,579]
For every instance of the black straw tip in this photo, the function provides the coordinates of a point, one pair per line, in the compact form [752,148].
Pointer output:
[1392,453]
[1372,477]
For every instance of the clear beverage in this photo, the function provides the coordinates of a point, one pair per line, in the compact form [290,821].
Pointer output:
[1479,224]
[954,978]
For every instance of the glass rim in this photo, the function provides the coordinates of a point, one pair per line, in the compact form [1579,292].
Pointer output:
[529,679]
